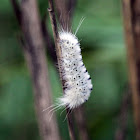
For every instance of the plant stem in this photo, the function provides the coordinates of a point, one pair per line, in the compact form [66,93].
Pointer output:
[131,12]
[58,52]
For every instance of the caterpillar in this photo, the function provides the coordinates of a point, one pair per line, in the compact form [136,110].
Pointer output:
[77,81]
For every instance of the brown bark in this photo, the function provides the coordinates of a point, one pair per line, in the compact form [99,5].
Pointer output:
[62,13]
[36,60]
[65,11]
[58,53]
[79,114]
[48,40]
[123,117]
[131,14]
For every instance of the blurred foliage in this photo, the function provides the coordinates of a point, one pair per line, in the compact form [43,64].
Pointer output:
[104,55]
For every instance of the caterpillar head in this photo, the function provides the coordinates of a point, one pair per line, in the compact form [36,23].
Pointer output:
[67,39]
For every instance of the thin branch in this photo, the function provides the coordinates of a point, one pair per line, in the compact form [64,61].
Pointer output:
[17,10]
[53,21]
[131,12]
[48,40]
[34,52]
[58,52]
[81,122]
[123,117]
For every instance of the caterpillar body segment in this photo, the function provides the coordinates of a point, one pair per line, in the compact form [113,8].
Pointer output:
[78,85]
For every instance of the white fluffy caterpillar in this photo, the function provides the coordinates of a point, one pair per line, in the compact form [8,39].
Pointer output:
[77,81]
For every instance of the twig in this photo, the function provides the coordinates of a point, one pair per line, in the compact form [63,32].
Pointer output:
[123,116]
[17,11]
[34,52]
[81,122]
[131,12]
[48,40]
[58,52]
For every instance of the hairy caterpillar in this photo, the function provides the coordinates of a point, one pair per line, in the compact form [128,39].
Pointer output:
[77,85]
[77,82]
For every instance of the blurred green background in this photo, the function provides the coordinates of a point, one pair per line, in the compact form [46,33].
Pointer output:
[104,55]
